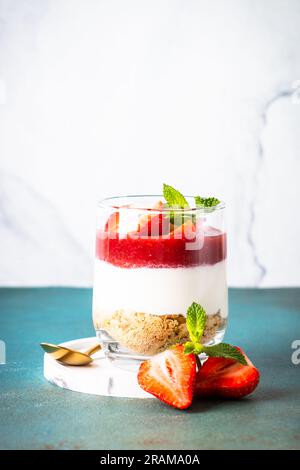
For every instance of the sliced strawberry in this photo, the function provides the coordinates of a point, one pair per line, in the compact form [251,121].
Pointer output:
[159,205]
[227,378]
[170,376]
[112,223]
[154,224]
[151,225]
[185,231]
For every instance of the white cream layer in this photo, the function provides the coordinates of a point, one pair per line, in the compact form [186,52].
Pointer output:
[159,291]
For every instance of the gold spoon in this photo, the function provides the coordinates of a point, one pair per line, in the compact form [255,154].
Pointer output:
[68,356]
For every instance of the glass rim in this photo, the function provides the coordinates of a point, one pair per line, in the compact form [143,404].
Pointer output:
[108,203]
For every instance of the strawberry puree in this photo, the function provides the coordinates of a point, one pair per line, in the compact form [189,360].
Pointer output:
[160,251]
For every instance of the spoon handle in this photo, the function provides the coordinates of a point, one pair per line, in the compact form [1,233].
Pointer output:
[93,349]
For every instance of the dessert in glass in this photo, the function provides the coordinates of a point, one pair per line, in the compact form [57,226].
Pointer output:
[153,261]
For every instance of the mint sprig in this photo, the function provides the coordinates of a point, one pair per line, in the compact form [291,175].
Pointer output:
[195,322]
[193,348]
[225,350]
[206,201]
[174,197]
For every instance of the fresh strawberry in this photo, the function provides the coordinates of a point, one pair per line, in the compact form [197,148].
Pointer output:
[154,224]
[151,225]
[112,224]
[220,377]
[170,376]
[185,231]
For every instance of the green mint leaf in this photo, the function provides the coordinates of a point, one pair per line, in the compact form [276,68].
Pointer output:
[225,350]
[174,197]
[206,201]
[189,348]
[192,348]
[195,321]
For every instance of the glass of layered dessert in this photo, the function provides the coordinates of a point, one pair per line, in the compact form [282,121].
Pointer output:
[152,261]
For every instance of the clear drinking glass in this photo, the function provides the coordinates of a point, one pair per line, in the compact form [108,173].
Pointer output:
[152,262]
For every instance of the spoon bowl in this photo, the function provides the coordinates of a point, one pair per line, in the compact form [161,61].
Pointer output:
[68,356]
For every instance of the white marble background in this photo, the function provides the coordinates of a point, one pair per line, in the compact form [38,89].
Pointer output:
[104,97]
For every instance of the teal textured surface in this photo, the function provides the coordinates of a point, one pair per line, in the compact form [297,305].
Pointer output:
[37,415]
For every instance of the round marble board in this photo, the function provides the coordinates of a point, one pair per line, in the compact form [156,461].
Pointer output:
[101,377]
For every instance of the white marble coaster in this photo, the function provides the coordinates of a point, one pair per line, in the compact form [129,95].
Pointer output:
[101,377]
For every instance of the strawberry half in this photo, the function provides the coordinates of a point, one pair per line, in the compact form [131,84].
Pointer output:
[170,376]
[219,377]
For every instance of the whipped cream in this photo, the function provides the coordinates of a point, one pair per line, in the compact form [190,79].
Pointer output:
[159,291]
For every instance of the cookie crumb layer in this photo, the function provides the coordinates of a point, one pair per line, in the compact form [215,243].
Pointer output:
[143,333]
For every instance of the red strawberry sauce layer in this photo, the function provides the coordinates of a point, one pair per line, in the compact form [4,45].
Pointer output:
[160,252]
